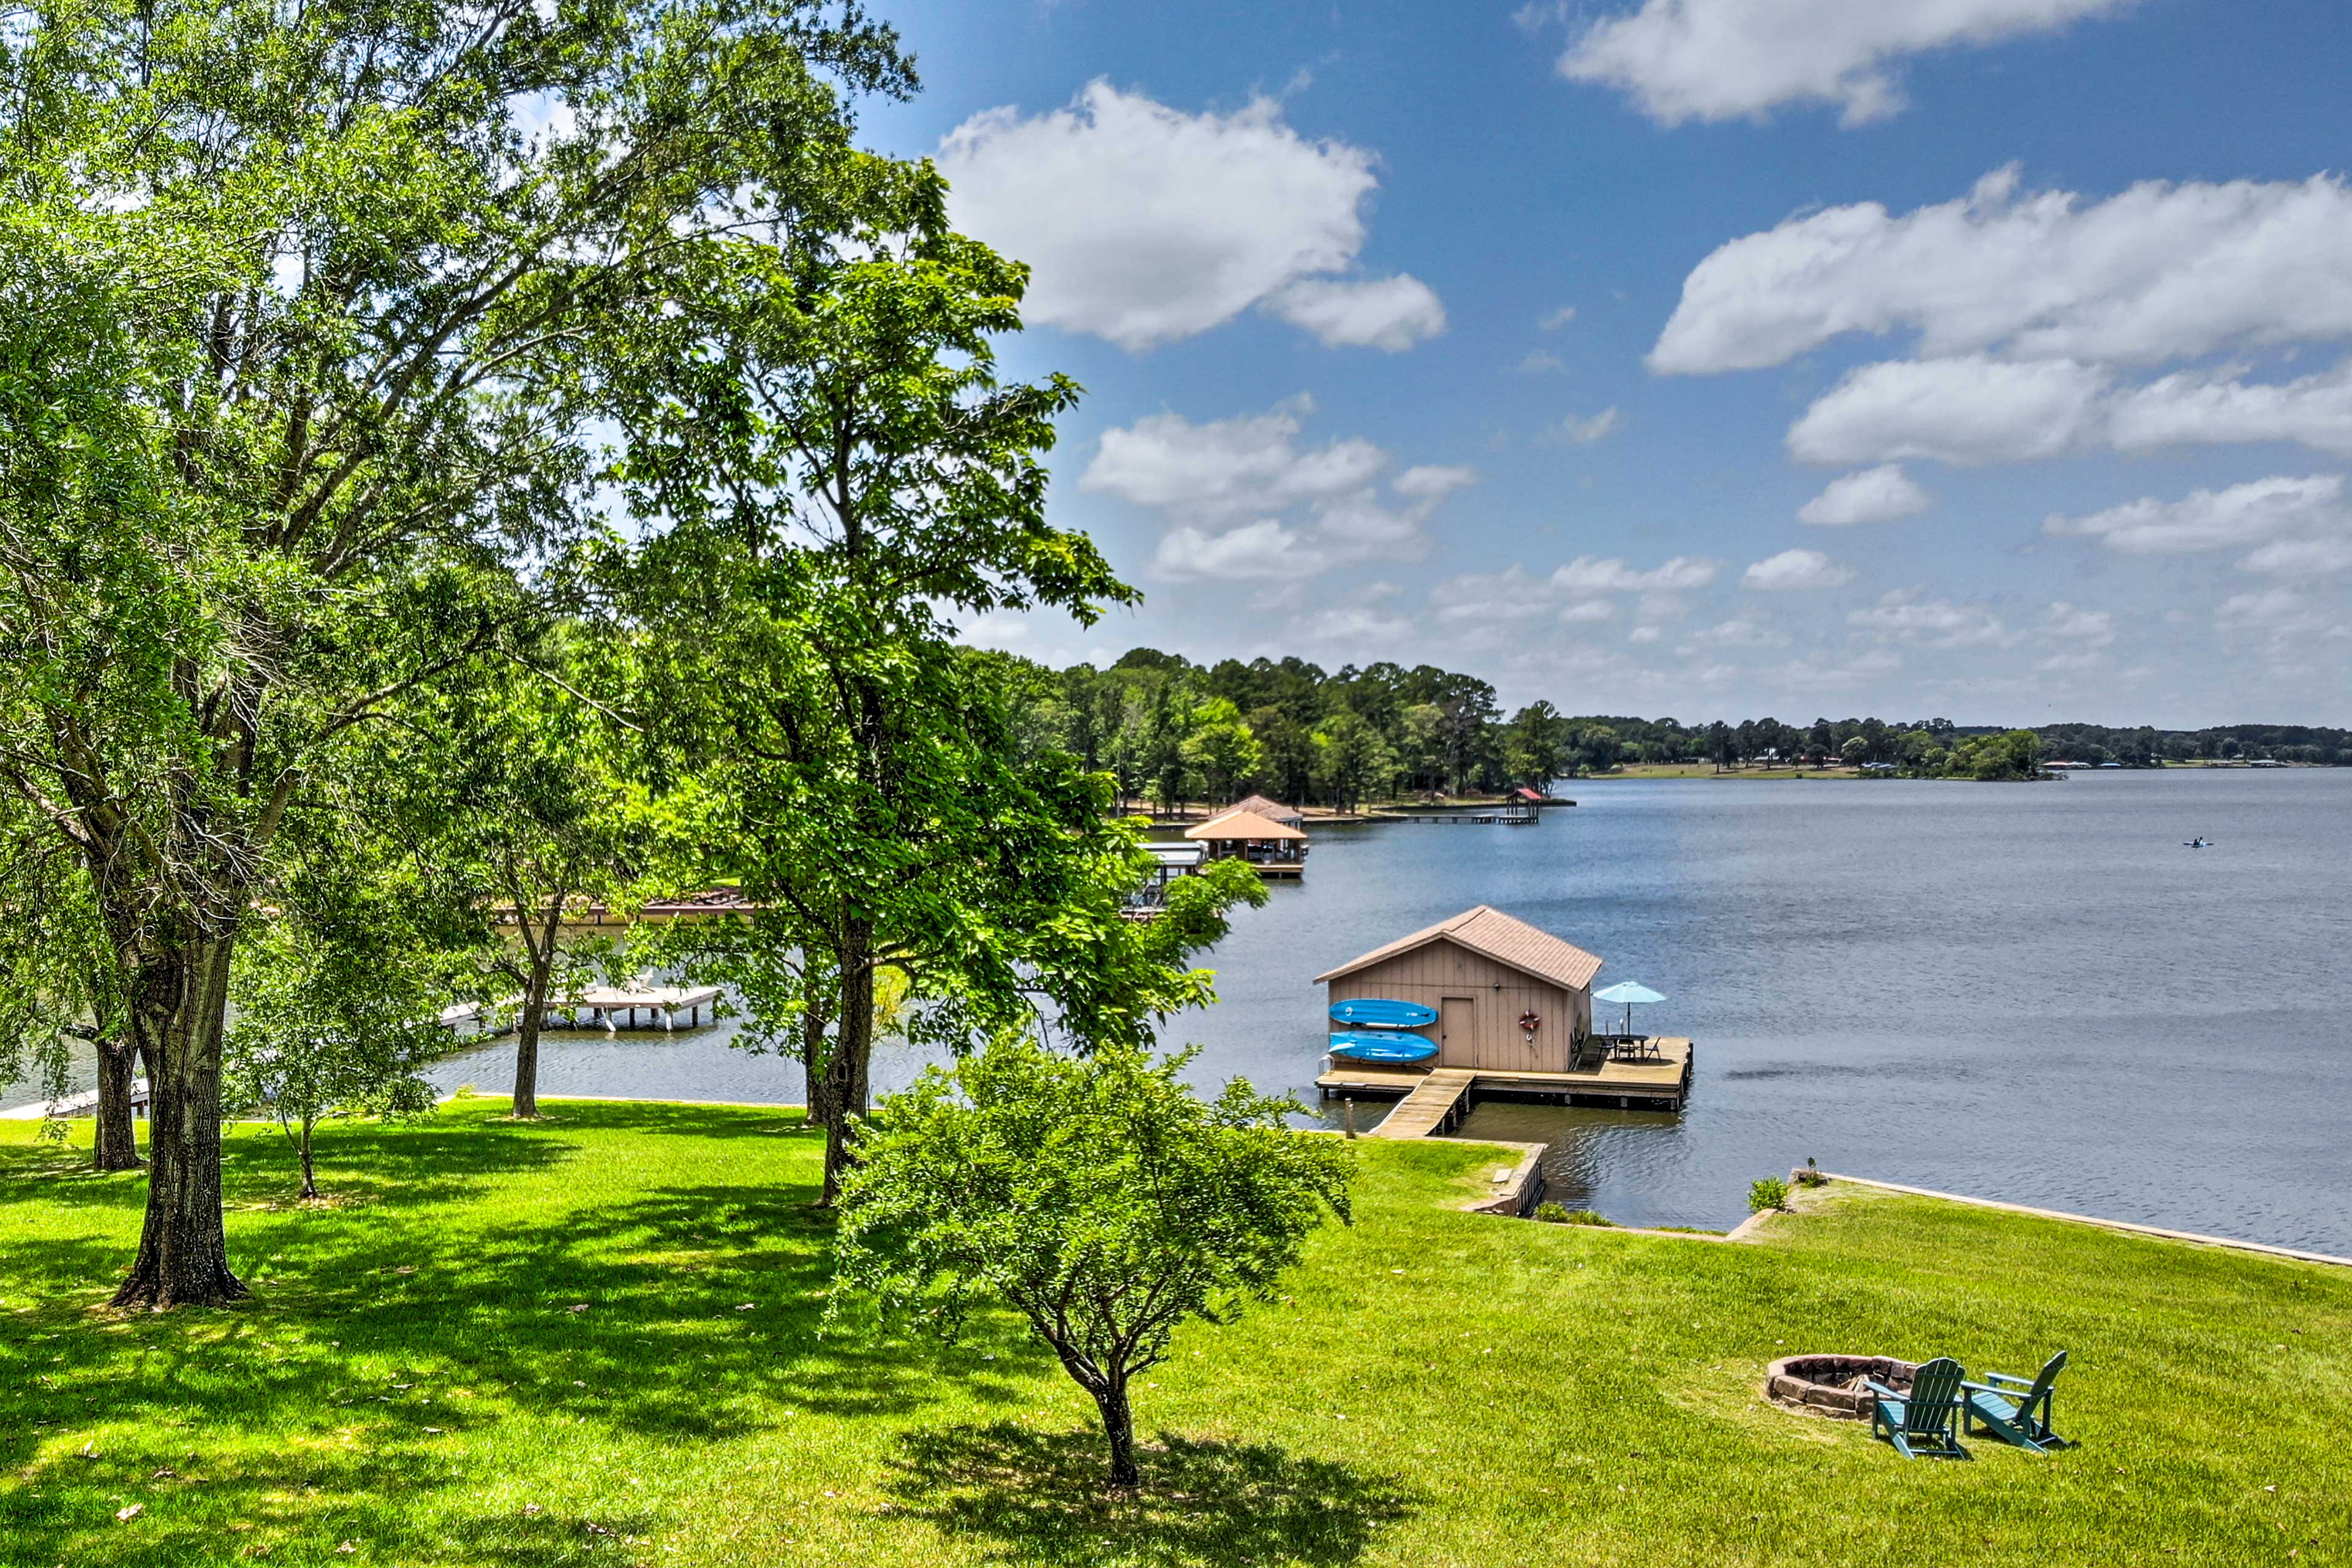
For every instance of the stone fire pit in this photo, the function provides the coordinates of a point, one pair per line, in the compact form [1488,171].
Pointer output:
[1832,1385]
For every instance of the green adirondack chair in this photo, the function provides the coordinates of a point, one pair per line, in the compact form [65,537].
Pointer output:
[2014,1409]
[1924,1421]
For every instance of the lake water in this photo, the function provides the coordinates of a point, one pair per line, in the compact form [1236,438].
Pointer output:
[2033,992]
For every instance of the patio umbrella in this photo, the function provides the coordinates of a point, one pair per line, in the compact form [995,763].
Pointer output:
[1630,993]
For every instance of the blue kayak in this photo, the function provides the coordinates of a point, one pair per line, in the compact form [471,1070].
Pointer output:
[1367,1047]
[1378,1013]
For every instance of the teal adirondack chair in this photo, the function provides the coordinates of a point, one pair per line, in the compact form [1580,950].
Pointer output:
[2014,1409]
[1924,1420]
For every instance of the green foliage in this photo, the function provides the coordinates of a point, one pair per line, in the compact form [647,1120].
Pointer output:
[1560,1214]
[2013,754]
[1767,1193]
[1098,1197]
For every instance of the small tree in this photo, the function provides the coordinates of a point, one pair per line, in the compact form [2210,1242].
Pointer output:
[335,1016]
[1100,1198]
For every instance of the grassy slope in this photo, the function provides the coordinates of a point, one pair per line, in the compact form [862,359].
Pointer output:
[1444,1388]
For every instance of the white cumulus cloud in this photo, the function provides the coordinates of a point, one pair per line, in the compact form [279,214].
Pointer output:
[1227,467]
[1870,494]
[1391,313]
[1244,499]
[2301,558]
[2071,623]
[2157,272]
[1936,623]
[1143,224]
[1588,575]
[2194,408]
[1970,409]
[1796,572]
[2210,519]
[1720,60]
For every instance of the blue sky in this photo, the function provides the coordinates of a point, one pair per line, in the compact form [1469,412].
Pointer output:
[1982,358]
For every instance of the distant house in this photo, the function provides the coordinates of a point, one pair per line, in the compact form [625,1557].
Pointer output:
[1485,974]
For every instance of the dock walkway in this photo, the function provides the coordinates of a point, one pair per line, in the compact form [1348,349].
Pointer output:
[1437,1102]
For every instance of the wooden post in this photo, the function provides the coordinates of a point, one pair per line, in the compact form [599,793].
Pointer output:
[1351,1103]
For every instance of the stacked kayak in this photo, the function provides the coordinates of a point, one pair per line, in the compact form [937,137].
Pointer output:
[1368,1046]
[1378,1013]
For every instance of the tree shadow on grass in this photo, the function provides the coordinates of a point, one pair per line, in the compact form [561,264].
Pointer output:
[1040,1496]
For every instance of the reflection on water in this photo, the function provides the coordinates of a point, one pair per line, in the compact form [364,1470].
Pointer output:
[2027,992]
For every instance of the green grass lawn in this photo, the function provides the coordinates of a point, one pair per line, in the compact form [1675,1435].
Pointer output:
[594,1340]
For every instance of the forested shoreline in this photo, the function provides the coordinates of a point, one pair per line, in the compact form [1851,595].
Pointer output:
[1171,731]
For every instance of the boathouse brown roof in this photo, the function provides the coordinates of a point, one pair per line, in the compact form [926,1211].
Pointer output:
[1272,810]
[1489,931]
[1244,827]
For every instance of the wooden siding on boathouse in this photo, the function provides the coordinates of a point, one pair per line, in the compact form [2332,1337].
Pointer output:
[1480,997]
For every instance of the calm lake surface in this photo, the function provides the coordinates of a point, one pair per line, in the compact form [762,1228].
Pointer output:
[2033,992]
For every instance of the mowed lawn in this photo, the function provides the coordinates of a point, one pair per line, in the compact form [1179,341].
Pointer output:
[596,1340]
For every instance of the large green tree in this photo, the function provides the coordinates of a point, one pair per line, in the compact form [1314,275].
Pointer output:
[305,312]
[837,475]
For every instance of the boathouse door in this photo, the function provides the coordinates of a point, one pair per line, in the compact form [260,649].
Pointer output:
[1457,1032]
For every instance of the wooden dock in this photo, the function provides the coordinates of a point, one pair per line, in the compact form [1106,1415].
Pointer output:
[607,1003]
[1435,1102]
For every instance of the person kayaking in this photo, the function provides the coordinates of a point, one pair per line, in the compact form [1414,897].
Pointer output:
[2199,842]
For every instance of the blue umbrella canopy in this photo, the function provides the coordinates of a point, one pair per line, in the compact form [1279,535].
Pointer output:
[1628,993]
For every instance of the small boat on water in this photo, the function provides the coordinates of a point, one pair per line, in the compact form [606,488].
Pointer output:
[1379,1013]
[2199,842]
[1362,1047]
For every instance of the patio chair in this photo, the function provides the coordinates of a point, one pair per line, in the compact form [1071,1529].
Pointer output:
[1923,1421]
[2016,1409]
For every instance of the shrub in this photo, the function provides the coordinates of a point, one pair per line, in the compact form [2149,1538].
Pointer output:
[1559,1213]
[1809,1176]
[1767,1193]
[464,1092]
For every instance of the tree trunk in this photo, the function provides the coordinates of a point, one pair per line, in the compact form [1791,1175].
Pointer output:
[847,1067]
[310,1181]
[118,1129]
[815,1065]
[1119,1431]
[178,998]
[534,1007]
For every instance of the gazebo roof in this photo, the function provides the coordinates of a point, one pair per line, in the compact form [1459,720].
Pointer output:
[1243,826]
[1488,932]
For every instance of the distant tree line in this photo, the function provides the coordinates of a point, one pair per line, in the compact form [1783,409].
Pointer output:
[1170,732]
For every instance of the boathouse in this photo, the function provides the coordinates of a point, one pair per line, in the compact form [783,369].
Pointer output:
[1275,848]
[1508,997]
